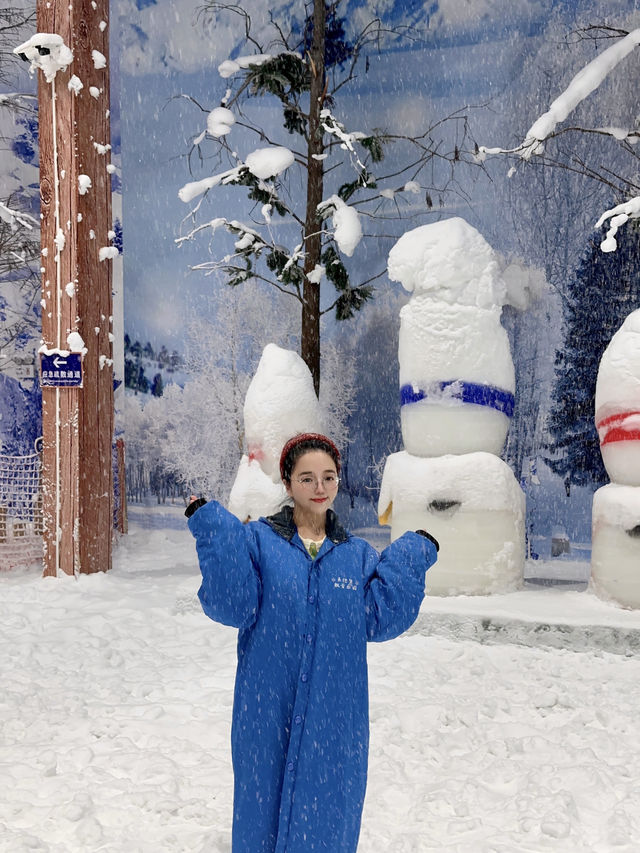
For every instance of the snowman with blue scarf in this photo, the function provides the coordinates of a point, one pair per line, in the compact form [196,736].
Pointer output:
[457,387]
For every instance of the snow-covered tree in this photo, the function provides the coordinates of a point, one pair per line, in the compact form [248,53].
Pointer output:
[19,226]
[19,279]
[604,290]
[194,435]
[334,186]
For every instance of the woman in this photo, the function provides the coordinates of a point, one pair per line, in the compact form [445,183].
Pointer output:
[306,596]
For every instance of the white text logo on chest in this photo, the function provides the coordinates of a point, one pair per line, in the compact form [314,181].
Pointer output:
[344,583]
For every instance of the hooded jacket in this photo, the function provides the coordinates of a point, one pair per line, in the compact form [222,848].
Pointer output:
[300,730]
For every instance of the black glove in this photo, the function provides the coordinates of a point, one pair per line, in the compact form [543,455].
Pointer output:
[193,506]
[430,538]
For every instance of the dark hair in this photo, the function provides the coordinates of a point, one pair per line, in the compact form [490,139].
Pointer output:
[301,444]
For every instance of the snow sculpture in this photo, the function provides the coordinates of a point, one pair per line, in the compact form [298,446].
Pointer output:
[618,403]
[615,541]
[457,384]
[254,493]
[457,379]
[280,402]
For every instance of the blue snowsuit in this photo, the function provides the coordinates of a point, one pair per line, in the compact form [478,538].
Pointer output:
[300,731]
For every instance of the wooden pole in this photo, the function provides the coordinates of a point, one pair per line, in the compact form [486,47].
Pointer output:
[76,285]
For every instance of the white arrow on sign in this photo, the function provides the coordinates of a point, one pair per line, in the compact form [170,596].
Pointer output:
[58,361]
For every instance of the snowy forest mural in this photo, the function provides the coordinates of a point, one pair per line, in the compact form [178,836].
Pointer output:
[424,117]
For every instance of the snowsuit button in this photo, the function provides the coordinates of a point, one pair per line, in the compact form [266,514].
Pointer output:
[304,676]
[309,638]
[311,599]
[297,719]
[290,767]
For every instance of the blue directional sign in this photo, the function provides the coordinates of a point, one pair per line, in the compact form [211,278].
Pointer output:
[61,371]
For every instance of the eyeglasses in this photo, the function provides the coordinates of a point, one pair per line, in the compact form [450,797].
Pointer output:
[329,481]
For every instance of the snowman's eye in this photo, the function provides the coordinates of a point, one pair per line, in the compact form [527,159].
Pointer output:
[443,505]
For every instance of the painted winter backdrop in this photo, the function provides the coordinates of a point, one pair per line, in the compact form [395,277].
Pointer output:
[475,746]
[454,78]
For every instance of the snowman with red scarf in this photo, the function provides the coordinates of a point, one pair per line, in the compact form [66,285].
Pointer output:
[615,546]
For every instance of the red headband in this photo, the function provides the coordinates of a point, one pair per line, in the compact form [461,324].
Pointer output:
[307,436]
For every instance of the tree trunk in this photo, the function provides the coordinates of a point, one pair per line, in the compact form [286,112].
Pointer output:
[310,334]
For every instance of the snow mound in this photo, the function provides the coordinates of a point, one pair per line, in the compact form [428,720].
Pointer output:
[618,506]
[618,382]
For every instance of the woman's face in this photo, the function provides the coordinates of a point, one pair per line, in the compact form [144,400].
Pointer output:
[314,482]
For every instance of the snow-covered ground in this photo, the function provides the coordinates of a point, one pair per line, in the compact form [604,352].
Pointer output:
[116,701]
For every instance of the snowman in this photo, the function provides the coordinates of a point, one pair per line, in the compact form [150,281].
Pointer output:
[615,541]
[457,384]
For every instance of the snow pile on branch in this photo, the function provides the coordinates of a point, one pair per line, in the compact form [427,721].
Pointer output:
[14,218]
[220,121]
[448,261]
[231,66]
[46,51]
[195,188]
[332,126]
[583,84]
[617,216]
[586,81]
[264,163]
[269,162]
[346,223]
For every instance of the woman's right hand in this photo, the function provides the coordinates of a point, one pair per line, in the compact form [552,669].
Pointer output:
[194,504]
